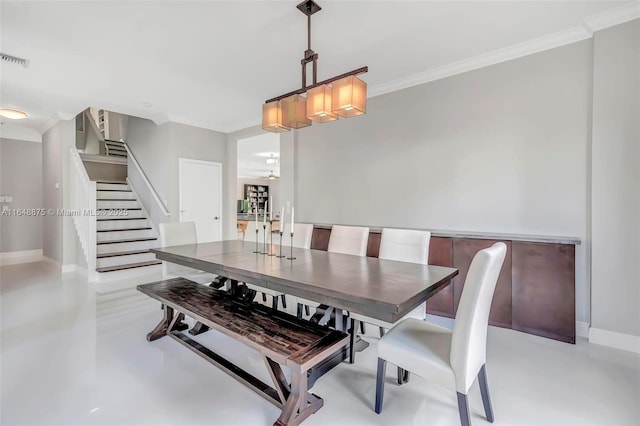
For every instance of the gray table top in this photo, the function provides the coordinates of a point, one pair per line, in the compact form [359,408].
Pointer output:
[378,288]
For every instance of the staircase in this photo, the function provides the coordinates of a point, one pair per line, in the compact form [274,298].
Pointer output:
[123,241]
[115,148]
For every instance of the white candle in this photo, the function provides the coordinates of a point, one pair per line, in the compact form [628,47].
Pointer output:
[256,216]
[264,214]
[282,219]
[291,219]
[270,208]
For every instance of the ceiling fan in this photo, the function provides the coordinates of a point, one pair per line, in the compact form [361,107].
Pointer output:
[271,176]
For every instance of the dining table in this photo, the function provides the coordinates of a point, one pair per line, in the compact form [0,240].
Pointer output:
[340,283]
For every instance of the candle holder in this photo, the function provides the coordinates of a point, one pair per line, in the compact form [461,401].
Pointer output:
[291,249]
[256,250]
[281,255]
[270,238]
[264,239]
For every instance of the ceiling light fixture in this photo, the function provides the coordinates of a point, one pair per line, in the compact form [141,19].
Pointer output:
[14,114]
[272,160]
[344,95]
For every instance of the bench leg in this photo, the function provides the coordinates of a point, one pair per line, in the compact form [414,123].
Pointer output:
[300,404]
[168,323]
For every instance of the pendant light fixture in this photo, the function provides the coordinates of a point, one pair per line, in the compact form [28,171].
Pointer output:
[344,95]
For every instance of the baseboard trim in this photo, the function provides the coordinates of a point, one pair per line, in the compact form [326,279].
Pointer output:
[71,267]
[25,256]
[582,329]
[613,339]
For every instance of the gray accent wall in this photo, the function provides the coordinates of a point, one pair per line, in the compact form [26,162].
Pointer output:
[616,180]
[21,178]
[158,149]
[499,149]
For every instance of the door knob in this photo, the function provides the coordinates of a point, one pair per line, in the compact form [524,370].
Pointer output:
[216,218]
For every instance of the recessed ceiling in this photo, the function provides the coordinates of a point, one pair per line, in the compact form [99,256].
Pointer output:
[213,63]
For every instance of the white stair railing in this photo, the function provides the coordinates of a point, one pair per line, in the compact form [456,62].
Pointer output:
[83,208]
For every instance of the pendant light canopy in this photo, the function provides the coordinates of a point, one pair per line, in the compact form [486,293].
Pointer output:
[344,95]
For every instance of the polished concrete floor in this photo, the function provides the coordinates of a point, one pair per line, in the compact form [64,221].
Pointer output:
[71,358]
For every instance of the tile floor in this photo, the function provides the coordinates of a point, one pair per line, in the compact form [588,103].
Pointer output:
[71,358]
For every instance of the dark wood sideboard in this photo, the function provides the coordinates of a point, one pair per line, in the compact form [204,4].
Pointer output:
[535,292]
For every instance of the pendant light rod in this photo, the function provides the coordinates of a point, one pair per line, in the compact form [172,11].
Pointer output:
[358,71]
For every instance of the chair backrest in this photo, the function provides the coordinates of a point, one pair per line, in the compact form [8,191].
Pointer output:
[349,240]
[302,233]
[469,339]
[250,232]
[405,245]
[176,234]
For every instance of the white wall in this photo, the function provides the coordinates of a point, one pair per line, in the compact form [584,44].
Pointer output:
[499,149]
[21,178]
[59,238]
[616,180]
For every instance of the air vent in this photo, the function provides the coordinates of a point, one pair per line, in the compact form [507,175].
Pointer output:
[14,60]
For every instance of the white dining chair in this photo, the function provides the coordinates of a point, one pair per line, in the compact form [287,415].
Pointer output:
[404,245]
[452,359]
[251,235]
[178,234]
[302,234]
[348,240]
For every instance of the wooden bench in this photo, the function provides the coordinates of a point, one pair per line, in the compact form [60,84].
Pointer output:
[281,339]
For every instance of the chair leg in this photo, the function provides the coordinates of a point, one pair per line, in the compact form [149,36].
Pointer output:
[400,376]
[484,391]
[362,330]
[463,409]
[381,331]
[299,311]
[274,303]
[382,367]
[306,310]
[406,376]
[352,341]
[284,301]
[264,297]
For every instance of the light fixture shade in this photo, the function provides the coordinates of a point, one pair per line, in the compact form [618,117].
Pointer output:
[294,112]
[319,104]
[272,118]
[349,97]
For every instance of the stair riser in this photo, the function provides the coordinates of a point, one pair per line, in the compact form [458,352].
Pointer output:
[125,235]
[118,247]
[123,260]
[121,224]
[126,213]
[118,204]
[117,186]
[125,195]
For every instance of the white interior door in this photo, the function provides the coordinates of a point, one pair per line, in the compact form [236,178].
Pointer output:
[201,197]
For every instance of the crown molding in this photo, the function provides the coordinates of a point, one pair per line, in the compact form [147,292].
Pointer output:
[610,18]
[581,32]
